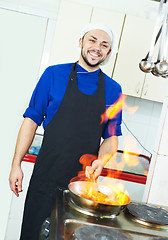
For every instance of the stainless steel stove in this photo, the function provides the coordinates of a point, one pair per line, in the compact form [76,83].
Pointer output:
[69,222]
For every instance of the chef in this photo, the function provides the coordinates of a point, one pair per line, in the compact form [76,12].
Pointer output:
[69,99]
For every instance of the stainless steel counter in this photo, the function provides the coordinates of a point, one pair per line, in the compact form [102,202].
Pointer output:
[65,219]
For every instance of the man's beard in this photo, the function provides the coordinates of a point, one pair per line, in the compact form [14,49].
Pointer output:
[87,62]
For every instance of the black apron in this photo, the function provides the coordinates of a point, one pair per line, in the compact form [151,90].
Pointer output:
[75,130]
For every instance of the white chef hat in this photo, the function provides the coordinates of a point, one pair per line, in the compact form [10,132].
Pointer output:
[112,35]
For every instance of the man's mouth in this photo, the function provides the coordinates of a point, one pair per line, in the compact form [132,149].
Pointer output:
[94,54]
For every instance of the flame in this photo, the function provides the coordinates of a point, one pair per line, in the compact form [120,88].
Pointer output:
[85,160]
[112,111]
[146,172]
[131,110]
[120,195]
[130,160]
[127,159]
[117,196]
[112,197]
[115,108]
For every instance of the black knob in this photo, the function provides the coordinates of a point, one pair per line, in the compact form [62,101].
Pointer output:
[45,229]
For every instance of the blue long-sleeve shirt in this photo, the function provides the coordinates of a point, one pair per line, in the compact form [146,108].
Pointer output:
[51,87]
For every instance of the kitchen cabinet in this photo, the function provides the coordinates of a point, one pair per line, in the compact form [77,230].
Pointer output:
[115,21]
[72,17]
[154,88]
[67,30]
[134,35]
[134,45]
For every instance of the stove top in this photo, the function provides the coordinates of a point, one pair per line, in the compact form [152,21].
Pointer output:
[98,233]
[148,214]
[68,222]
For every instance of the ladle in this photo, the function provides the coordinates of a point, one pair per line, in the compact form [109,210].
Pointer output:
[154,72]
[146,64]
[162,66]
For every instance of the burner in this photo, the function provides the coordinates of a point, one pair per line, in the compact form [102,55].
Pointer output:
[98,233]
[148,213]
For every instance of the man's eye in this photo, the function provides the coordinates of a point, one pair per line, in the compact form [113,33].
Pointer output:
[105,46]
[92,40]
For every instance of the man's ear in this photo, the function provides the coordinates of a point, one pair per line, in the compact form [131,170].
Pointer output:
[80,42]
[109,52]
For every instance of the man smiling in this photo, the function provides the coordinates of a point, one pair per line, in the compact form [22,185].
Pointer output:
[69,99]
[94,48]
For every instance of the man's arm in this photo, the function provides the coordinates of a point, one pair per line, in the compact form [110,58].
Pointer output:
[107,149]
[24,140]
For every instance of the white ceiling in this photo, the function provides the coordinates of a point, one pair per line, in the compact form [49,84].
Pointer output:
[49,8]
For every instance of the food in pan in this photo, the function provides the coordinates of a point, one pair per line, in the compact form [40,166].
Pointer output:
[100,197]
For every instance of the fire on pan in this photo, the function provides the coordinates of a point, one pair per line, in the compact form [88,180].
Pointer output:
[97,198]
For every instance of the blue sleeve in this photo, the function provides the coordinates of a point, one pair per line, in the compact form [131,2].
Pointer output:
[39,99]
[113,125]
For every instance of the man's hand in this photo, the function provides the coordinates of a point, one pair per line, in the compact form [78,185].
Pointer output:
[15,180]
[92,172]
[23,143]
[107,149]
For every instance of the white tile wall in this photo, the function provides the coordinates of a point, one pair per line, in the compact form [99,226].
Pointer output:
[151,136]
[163,149]
[156,112]
[143,124]
[143,114]
[158,189]
[150,175]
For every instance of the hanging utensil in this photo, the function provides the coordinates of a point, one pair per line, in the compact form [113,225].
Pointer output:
[154,72]
[162,66]
[146,64]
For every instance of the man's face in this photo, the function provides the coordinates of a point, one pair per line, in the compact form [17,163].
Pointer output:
[95,47]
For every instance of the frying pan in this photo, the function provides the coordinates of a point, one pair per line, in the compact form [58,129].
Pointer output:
[81,187]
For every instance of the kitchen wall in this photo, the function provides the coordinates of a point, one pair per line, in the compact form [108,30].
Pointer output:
[21,49]
[143,123]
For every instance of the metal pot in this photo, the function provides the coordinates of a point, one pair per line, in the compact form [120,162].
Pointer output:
[81,187]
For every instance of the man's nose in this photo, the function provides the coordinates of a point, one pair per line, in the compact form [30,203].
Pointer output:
[98,46]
